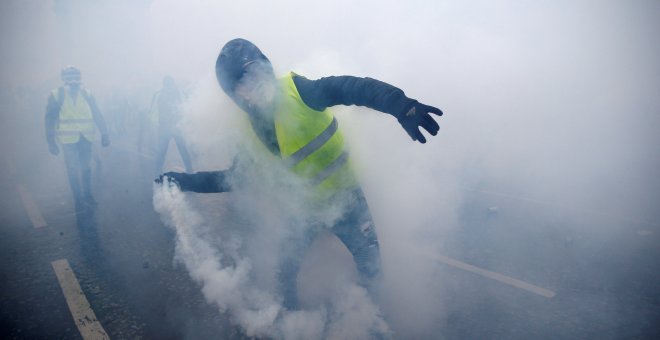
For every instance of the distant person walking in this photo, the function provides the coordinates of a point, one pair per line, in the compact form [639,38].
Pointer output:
[166,113]
[72,117]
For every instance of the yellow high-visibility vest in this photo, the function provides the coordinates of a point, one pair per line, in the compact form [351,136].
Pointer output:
[75,117]
[311,143]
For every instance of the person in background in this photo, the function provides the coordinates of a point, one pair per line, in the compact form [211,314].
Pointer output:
[116,110]
[72,118]
[166,113]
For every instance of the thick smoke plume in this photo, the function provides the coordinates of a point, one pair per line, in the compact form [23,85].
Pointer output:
[235,255]
[227,271]
[550,104]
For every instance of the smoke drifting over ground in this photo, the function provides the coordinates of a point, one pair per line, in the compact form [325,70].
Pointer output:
[237,272]
[551,104]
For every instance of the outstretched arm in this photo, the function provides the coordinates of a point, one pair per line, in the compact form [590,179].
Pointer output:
[202,182]
[375,94]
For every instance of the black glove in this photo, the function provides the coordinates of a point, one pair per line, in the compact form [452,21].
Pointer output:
[172,178]
[105,140]
[416,116]
[53,149]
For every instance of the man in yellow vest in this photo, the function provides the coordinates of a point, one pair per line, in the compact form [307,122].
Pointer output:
[290,118]
[72,117]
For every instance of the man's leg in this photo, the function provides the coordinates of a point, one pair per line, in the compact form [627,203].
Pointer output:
[290,260]
[85,157]
[357,231]
[142,122]
[70,153]
[288,283]
[85,221]
[163,143]
[185,156]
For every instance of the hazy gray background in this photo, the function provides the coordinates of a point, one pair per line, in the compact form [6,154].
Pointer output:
[551,97]
[555,103]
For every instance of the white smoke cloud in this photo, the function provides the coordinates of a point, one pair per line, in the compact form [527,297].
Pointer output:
[553,103]
[524,118]
[226,273]
[236,255]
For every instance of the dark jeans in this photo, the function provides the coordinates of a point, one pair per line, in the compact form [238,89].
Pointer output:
[77,157]
[356,231]
[164,138]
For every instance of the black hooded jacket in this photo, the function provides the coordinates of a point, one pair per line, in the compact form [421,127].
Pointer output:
[318,94]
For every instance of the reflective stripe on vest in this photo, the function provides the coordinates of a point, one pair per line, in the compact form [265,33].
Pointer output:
[75,117]
[310,142]
[313,145]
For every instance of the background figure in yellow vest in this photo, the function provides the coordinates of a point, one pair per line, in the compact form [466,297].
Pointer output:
[72,117]
[290,118]
[166,113]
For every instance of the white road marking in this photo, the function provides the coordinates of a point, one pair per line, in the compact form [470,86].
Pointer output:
[31,207]
[83,315]
[496,276]
[28,203]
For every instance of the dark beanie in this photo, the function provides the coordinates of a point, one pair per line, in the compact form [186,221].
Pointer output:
[230,65]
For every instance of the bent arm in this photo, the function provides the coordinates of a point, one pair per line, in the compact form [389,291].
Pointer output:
[374,94]
[348,90]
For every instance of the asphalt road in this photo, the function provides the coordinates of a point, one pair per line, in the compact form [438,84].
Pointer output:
[607,284]
[120,252]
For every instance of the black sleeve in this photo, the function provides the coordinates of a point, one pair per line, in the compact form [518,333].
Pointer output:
[348,90]
[52,112]
[204,181]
